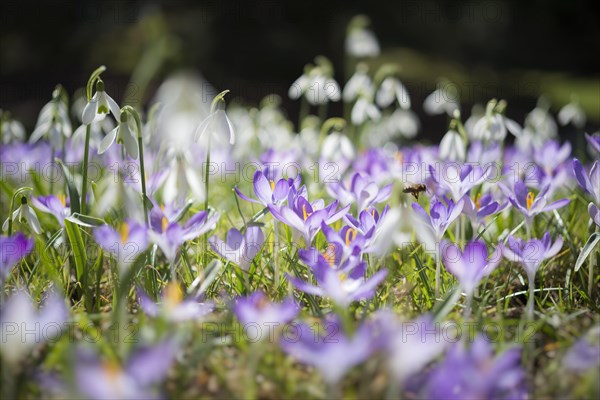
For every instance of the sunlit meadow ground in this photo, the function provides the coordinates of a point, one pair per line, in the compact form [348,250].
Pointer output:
[151,292]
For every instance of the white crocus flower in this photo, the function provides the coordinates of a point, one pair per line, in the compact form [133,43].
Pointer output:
[572,113]
[452,147]
[24,214]
[364,110]
[359,83]
[218,125]
[53,122]
[125,133]
[392,89]
[99,106]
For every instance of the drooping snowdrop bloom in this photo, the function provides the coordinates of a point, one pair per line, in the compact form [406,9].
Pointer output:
[528,204]
[25,328]
[360,40]
[173,307]
[125,244]
[344,283]
[361,191]
[459,179]
[267,190]
[306,217]
[359,84]
[333,353]
[572,113]
[539,126]
[476,373]
[337,153]
[364,110]
[12,250]
[493,126]
[452,147]
[169,234]
[316,84]
[125,135]
[239,248]
[390,90]
[530,254]
[443,100]
[53,122]
[100,106]
[24,215]
[259,310]
[137,378]
[54,205]
[218,126]
[11,130]
[404,123]
[470,265]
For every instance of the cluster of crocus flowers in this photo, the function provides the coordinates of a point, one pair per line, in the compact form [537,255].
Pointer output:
[361,191]
[342,281]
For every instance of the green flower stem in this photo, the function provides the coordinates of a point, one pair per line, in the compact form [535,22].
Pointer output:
[94,77]
[130,110]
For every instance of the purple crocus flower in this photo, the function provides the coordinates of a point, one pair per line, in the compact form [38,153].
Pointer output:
[239,248]
[591,185]
[268,191]
[55,205]
[306,217]
[334,353]
[347,239]
[470,265]
[24,327]
[257,309]
[481,206]
[476,373]
[126,243]
[530,205]
[137,378]
[594,141]
[361,191]
[458,179]
[409,345]
[343,283]
[368,225]
[584,355]
[169,235]
[173,307]
[12,250]
[530,255]
[440,216]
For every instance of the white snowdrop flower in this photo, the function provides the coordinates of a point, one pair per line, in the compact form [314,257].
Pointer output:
[337,146]
[25,215]
[572,113]
[11,129]
[403,122]
[494,127]
[100,106]
[316,84]
[364,110]
[442,100]
[359,83]
[541,122]
[125,134]
[218,125]
[361,41]
[53,121]
[392,89]
[452,147]
[182,178]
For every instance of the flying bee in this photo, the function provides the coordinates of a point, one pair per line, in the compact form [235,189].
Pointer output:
[415,190]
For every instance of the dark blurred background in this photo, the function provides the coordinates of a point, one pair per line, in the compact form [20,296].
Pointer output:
[515,50]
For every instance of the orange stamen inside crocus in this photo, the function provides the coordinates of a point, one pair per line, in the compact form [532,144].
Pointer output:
[329,255]
[478,201]
[173,294]
[124,231]
[63,199]
[530,199]
[350,235]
